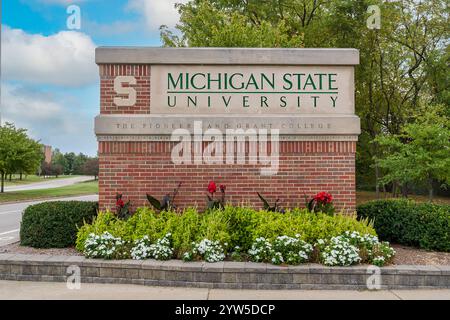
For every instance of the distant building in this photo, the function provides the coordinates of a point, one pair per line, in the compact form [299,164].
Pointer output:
[47,153]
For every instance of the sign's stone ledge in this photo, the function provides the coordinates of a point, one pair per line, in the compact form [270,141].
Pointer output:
[287,125]
[227,56]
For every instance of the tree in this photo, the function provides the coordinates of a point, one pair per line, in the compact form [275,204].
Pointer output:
[91,168]
[420,153]
[59,159]
[6,138]
[402,65]
[46,169]
[31,155]
[51,169]
[70,162]
[57,170]
[79,162]
[18,152]
[205,23]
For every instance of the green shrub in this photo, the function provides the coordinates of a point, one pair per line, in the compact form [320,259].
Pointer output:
[405,222]
[103,222]
[54,224]
[311,226]
[232,226]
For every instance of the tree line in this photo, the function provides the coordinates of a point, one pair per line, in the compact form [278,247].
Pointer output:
[401,85]
[20,154]
[70,163]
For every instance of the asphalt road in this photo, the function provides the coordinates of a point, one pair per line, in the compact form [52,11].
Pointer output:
[53,183]
[11,215]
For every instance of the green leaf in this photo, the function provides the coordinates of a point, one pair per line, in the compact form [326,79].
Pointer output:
[154,202]
[266,204]
[311,205]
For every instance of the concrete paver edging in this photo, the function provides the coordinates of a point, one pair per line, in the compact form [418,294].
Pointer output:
[220,275]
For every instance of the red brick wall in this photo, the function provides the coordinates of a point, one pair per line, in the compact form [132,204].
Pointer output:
[137,168]
[107,74]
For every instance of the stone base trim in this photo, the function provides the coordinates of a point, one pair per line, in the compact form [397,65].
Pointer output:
[222,275]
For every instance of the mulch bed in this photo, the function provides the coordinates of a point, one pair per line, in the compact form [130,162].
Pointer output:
[410,255]
[16,248]
[405,255]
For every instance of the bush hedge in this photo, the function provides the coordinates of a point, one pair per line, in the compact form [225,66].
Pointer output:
[233,226]
[405,222]
[54,224]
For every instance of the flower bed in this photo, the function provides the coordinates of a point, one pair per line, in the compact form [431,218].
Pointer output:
[234,233]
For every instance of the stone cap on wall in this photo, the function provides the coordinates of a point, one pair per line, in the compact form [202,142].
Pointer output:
[221,56]
[224,274]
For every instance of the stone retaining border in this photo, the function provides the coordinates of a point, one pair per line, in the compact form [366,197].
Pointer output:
[223,275]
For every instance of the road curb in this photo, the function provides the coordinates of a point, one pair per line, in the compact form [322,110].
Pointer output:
[221,275]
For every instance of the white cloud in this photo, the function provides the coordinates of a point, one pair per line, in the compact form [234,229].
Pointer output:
[157,12]
[65,58]
[47,118]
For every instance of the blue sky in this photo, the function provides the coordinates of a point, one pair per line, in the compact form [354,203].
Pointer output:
[49,82]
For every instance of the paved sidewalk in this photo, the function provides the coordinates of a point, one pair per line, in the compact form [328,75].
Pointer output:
[54,183]
[58,290]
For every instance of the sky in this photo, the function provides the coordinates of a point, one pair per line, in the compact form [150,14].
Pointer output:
[49,81]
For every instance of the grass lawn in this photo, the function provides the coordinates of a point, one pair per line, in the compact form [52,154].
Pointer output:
[88,187]
[364,196]
[91,187]
[31,178]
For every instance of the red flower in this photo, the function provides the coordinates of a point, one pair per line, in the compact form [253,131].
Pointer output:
[222,188]
[212,187]
[120,203]
[323,197]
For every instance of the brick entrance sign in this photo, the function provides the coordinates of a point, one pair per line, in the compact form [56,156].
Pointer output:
[276,121]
